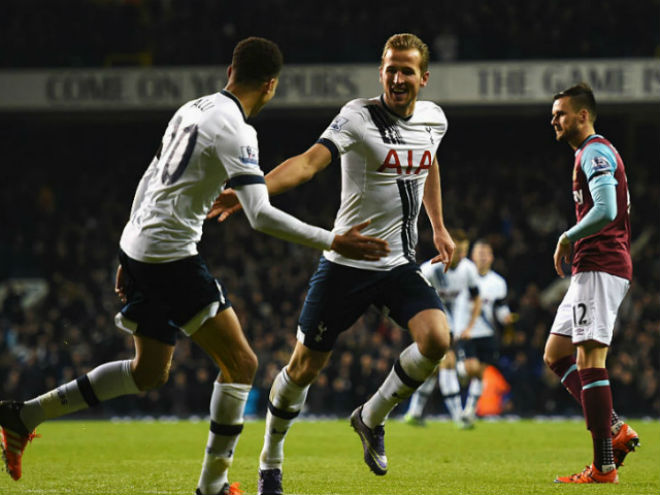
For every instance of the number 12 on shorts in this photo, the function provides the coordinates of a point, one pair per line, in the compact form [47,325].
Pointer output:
[580,315]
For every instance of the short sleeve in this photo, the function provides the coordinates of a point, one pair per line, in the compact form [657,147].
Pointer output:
[238,151]
[599,164]
[346,129]
[472,276]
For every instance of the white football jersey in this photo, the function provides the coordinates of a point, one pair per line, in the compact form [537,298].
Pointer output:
[206,142]
[492,289]
[454,289]
[384,164]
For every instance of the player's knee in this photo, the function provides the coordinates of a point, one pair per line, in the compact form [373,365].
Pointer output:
[448,361]
[472,367]
[249,365]
[242,367]
[435,345]
[548,359]
[151,379]
[302,373]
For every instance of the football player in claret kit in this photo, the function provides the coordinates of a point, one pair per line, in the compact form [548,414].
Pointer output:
[164,282]
[600,277]
[387,146]
[457,288]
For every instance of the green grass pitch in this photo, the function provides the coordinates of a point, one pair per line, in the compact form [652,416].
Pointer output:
[325,457]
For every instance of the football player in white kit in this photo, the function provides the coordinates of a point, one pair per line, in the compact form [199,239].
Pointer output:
[164,282]
[481,348]
[458,290]
[389,169]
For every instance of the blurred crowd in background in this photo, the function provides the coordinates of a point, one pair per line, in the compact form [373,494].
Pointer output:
[68,182]
[84,33]
[60,228]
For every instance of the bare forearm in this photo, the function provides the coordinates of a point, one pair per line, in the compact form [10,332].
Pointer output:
[297,169]
[433,197]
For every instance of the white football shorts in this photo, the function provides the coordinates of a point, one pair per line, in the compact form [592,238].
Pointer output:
[589,308]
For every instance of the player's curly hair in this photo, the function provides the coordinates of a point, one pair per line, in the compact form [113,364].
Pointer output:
[581,96]
[408,41]
[256,60]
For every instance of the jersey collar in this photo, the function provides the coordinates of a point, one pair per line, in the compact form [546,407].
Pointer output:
[238,103]
[394,114]
[584,143]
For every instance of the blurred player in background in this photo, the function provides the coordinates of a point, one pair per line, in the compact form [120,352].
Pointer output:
[600,278]
[389,168]
[164,282]
[459,292]
[481,348]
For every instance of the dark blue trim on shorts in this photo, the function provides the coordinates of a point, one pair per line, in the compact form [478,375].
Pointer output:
[245,180]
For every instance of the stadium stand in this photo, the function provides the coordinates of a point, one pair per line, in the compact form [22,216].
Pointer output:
[67,183]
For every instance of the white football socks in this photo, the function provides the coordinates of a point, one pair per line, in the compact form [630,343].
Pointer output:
[421,396]
[104,382]
[227,406]
[474,392]
[408,373]
[285,402]
[451,392]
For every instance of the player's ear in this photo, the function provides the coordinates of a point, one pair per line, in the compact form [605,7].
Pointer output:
[584,115]
[270,86]
[425,79]
[229,72]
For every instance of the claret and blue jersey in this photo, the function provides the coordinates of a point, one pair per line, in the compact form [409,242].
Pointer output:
[598,164]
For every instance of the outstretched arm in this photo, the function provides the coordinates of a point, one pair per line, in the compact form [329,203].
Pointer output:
[298,169]
[433,206]
[287,175]
[268,219]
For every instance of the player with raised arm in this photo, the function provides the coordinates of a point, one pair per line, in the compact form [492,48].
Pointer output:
[389,168]
[481,348]
[457,287]
[165,284]
[600,278]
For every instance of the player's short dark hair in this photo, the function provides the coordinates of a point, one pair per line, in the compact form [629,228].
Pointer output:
[407,41]
[256,60]
[581,96]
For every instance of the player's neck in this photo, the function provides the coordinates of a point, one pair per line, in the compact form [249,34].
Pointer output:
[582,137]
[248,98]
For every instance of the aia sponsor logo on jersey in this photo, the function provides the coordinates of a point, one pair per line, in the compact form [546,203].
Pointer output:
[404,162]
